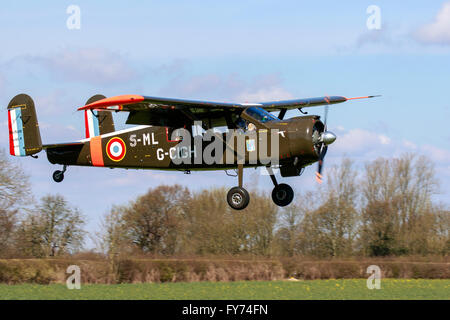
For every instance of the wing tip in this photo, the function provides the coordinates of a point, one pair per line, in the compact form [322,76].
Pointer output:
[364,97]
[113,101]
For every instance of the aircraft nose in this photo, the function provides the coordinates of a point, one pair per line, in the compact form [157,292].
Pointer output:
[328,137]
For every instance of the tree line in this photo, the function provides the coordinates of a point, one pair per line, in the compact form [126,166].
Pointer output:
[385,208]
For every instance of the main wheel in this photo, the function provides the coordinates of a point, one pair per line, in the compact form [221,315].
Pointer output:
[282,195]
[58,176]
[238,198]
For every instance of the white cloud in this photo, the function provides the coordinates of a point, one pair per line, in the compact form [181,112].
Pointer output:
[130,178]
[93,65]
[174,68]
[383,139]
[436,154]
[362,146]
[2,83]
[4,134]
[409,145]
[265,94]
[229,87]
[54,102]
[364,143]
[382,36]
[437,32]
[264,88]
[360,141]
[204,85]
[54,132]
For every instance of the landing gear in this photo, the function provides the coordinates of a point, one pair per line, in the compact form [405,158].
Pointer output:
[58,175]
[238,198]
[282,194]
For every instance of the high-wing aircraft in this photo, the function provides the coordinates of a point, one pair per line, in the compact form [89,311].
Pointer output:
[185,135]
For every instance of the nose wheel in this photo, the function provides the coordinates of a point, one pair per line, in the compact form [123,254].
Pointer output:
[282,194]
[58,175]
[238,198]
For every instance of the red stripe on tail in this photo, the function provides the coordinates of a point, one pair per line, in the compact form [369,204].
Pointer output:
[86,123]
[11,138]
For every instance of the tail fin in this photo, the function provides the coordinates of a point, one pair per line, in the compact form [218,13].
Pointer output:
[98,122]
[24,135]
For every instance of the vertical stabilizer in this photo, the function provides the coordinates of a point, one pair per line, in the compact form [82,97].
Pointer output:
[98,122]
[23,127]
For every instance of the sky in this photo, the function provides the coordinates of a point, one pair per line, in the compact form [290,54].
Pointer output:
[234,51]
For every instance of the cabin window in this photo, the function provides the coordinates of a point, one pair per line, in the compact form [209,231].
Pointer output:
[261,115]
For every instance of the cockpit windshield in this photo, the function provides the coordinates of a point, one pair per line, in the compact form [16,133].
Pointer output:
[260,114]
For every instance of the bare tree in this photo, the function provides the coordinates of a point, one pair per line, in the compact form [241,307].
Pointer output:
[289,232]
[212,227]
[8,225]
[153,220]
[260,225]
[14,195]
[112,238]
[398,215]
[55,228]
[330,227]
[14,184]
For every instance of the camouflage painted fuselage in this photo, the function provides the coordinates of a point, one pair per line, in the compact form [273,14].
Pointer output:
[150,147]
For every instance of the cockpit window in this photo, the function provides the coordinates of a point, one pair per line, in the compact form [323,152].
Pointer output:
[261,115]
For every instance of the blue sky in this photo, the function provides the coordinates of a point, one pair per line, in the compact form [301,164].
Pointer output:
[230,51]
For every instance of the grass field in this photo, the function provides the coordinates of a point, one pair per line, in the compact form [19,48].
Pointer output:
[277,290]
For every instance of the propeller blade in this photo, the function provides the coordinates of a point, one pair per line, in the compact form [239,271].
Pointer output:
[323,152]
[318,178]
[325,117]
[324,147]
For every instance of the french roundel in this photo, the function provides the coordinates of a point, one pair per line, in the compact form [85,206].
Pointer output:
[116,149]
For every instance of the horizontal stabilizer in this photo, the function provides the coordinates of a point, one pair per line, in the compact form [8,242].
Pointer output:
[59,145]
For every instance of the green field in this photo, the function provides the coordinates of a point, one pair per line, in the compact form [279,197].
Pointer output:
[278,290]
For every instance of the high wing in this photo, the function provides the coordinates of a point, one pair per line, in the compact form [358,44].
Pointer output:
[306,103]
[177,112]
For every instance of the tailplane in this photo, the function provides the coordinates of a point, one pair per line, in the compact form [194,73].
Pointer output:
[23,127]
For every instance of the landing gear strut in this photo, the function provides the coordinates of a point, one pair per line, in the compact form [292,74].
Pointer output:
[58,175]
[238,198]
[282,194]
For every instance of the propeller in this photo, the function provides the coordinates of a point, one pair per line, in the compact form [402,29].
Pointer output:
[326,138]
[319,176]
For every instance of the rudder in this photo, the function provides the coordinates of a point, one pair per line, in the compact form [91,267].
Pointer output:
[97,122]
[23,127]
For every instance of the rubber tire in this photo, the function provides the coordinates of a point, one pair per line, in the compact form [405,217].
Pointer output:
[282,195]
[58,176]
[235,194]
